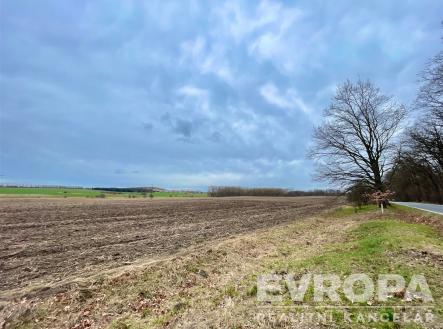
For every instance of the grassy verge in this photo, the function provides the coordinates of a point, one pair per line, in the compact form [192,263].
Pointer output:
[215,285]
[350,210]
[415,211]
[378,247]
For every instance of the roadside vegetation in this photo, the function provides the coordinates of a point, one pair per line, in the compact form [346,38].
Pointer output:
[215,284]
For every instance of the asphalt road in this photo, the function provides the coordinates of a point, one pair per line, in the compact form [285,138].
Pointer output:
[436,208]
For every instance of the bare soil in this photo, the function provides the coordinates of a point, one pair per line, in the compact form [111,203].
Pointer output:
[45,241]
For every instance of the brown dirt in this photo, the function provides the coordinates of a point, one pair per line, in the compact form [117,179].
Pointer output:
[422,217]
[45,241]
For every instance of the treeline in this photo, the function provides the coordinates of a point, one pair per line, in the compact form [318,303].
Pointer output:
[418,171]
[129,189]
[418,174]
[225,191]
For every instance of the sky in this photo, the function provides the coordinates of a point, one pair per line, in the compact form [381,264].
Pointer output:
[188,94]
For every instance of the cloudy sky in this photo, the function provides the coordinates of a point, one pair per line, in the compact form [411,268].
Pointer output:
[191,93]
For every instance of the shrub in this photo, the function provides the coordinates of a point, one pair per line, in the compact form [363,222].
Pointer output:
[358,194]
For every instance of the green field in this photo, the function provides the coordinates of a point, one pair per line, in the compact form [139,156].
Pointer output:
[89,193]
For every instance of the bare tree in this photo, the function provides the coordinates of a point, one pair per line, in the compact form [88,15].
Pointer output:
[430,96]
[356,144]
[419,171]
[418,174]
[426,138]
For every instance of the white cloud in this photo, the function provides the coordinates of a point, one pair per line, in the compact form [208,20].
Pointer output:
[193,91]
[266,31]
[290,50]
[206,178]
[286,100]
[200,96]
[241,22]
[193,48]
[209,59]
[272,95]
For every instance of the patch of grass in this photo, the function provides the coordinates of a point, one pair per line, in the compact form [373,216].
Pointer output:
[125,323]
[376,247]
[28,318]
[179,307]
[252,292]
[231,291]
[90,193]
[368,246]
[49,191]
[350,210]
[414,211]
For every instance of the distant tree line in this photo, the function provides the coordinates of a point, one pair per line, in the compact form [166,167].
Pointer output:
[225,191]
[129,189]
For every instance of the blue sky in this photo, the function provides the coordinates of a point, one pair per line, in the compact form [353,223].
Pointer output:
[186,94]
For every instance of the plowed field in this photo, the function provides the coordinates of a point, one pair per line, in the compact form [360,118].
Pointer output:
[45,241]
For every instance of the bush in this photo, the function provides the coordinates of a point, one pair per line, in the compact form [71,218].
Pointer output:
[358,194]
